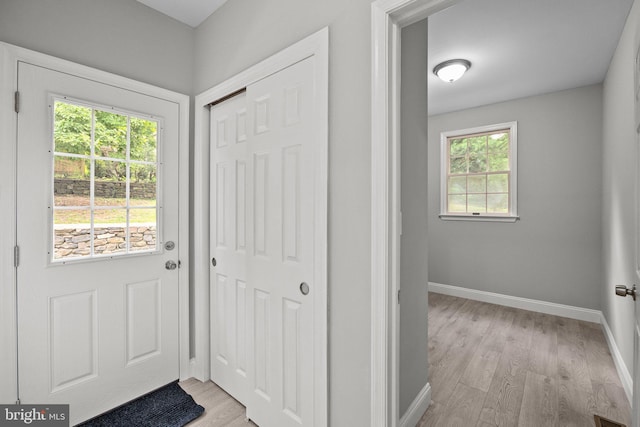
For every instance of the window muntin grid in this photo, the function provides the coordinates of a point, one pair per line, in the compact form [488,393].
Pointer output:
[478,172]
[105,182]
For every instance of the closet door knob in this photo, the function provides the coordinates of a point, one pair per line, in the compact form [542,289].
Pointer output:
[304,288]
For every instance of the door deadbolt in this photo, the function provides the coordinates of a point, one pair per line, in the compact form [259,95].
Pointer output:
[214,262]
[170,265]
[169,245]
[623,291]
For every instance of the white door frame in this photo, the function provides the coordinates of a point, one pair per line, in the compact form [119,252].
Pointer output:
[388,17]
[9,57]
[316,45]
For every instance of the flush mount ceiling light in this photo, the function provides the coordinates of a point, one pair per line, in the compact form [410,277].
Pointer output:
[451,70]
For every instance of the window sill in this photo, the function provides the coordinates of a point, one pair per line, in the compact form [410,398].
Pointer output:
[481,218]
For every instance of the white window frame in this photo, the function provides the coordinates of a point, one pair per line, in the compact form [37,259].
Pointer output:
[52,261]
[512,216]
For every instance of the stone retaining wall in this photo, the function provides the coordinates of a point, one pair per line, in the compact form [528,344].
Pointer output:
[76,242]
[109,189]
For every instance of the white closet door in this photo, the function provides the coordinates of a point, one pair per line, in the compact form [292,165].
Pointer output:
[229,247]
[263,240]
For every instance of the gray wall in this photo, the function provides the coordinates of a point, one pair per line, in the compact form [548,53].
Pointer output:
[413,244]
[620,195]
[241,34]
[553,253]
[120,36]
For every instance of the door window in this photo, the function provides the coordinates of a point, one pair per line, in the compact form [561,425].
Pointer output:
[105,182]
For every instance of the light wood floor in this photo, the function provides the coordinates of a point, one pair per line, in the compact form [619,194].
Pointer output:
[491,365]
[221,410]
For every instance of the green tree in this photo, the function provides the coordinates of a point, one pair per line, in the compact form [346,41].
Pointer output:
[143,147]
[110,135]
[72,129]
[72,134]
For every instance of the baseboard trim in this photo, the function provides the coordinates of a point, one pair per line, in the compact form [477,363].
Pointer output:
[621,367]
[578,313]
[417,408]
[561,310]
[195,370]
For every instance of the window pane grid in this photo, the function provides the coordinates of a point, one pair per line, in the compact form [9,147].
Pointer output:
[478,173]
[112,187]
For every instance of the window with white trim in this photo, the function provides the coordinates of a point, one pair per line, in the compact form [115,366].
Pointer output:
[478,173]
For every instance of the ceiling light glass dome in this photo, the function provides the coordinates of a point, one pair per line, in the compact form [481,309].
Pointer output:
[452,70]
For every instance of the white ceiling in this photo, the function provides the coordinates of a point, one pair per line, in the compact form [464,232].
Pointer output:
[520,48]
[517,48]
[190,12]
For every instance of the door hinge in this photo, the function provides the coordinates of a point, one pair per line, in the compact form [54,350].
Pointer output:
[16,256]
[398,296]
[16,102]
[18,402]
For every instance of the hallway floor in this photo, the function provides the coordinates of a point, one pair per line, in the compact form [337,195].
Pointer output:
[220,409]
[491,365]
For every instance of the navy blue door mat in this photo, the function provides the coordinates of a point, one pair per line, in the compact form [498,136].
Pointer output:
[169,406]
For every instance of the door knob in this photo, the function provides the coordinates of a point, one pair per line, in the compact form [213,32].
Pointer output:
[623,291]
[304,288]
[170,265]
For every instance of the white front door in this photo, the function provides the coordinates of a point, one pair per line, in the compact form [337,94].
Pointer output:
[264,168]
[97,201]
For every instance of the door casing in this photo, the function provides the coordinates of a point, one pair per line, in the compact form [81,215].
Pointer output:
[388,17]
[316,45]
[9,57]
